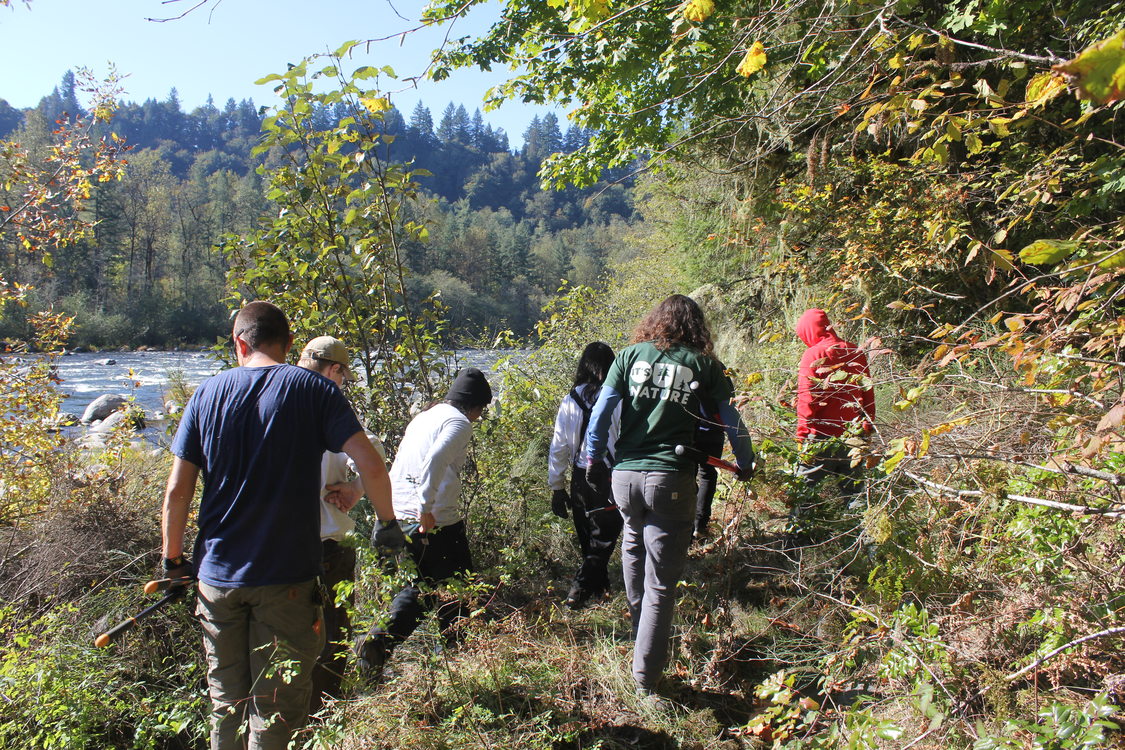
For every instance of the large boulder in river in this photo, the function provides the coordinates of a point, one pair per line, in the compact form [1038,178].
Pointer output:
[102,407]
[110,422]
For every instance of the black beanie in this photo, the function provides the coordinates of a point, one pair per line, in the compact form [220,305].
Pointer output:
[470,389]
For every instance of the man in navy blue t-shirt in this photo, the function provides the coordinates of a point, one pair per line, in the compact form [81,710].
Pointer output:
[256,433]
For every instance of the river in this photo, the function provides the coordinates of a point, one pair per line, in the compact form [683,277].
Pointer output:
[142,375]
[86,376]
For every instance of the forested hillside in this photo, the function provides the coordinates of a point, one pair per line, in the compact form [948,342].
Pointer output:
[946,180]
[150,275]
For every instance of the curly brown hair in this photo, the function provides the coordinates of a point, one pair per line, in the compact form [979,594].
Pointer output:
[676,320]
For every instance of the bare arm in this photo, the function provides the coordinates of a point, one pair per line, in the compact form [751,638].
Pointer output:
[177,500]
[344,495]
[372,473]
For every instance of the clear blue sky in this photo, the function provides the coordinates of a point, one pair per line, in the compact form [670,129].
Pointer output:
[221,49]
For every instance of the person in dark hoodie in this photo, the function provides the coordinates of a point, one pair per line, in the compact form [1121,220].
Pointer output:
[834,394]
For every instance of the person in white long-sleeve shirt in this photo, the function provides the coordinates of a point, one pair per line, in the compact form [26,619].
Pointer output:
[597,521]
[426,473]
[328,356]
[426,491]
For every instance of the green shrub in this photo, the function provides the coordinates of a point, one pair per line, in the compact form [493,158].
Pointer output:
[1059,727]
[61,692]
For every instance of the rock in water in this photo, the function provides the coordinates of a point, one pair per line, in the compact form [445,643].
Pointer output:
[109,422]
[102,407]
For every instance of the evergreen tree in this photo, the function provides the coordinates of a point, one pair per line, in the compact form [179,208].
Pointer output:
[447,127]
[576,137]
[10,118]
[249,121]
[500,140]
[393,122]
[68,96]
[173,118]
[422,124]
[532,140]
[462,126]
[477,132]
[229,122]
[203,129]
[493,186]
[62,101]
[551,136]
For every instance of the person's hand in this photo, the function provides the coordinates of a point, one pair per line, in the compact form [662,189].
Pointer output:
[388,535]
[597,474]
[746,473]
[426,523]
[343,495]
[178,567]
[560,501]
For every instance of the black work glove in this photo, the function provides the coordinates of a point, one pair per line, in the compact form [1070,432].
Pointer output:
[747,473]
[597,474]
[178,567]
[388,534]
[559,503]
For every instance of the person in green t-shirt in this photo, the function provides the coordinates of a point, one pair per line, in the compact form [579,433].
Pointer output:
[660,382]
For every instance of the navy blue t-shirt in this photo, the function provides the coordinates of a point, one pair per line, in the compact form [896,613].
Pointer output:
[258,434]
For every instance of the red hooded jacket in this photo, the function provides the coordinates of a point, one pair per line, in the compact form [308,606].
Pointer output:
[831,389]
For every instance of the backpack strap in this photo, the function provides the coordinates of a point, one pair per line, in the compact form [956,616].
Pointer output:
[586,409]
[709,433]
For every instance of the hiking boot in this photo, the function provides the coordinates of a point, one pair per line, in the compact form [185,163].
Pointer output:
[577,597]
[650,699]
[371,655]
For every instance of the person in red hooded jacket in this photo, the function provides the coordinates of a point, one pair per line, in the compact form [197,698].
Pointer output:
[833,393]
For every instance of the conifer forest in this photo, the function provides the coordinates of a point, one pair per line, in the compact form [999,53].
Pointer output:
[500,245]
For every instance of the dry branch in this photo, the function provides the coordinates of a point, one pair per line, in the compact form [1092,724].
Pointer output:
[1085,509]
[1038,662]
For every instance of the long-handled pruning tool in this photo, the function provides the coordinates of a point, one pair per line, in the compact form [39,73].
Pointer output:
[700,457]
[174,589]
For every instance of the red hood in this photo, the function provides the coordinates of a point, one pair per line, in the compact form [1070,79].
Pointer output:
[814,327]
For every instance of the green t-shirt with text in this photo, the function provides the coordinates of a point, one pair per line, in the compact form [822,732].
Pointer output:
[659,407]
